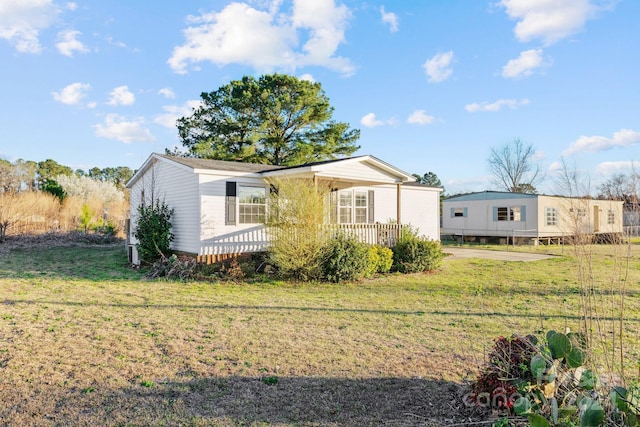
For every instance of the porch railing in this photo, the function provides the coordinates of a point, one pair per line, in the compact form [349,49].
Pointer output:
[256,239]
[372,234]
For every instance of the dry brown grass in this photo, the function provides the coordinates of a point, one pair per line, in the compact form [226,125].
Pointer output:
[84,341]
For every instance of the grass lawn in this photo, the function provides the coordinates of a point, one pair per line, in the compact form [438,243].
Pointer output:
[84,340]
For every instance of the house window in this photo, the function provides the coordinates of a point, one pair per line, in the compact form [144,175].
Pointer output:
[551,215]
[345,207]
[514,213]
[503,214]
[458,212]
[611,217]
[352,207]
[252,203]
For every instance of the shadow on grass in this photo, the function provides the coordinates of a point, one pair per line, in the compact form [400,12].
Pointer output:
[240,401]
[81,262]
[245,307]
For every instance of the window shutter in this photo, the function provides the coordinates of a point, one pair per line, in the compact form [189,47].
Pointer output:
[523,213]
[371,214]
[453,212]
[464,213]
[230,203]
[495,213]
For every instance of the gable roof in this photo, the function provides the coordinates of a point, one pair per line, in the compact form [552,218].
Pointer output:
[201,165]
[221,165]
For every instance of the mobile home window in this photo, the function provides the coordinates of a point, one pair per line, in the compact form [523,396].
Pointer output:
[252,204]
[503,214]
[551,216]
[514,213]
[458,212]
[611,217]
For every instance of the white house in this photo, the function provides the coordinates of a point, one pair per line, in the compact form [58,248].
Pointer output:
[219,205]
[494,215]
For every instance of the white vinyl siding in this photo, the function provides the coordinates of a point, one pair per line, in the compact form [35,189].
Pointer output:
[178,188]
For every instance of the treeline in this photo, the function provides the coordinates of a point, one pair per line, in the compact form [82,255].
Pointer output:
[43,197]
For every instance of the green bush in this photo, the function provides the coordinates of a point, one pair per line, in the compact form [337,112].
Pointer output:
[344,259]
[380,260]
[153,231]
[415,254]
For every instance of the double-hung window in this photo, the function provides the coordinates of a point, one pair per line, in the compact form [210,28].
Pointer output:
[252,204]
[353,206]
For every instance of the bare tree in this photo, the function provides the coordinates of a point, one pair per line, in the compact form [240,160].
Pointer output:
[513,168]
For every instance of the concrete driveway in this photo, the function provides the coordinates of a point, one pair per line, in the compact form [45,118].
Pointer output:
[457,253]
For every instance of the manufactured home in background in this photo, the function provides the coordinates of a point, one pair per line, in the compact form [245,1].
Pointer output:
[493,216]
[219,206]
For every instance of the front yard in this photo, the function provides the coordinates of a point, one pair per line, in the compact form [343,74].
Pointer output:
[85,341]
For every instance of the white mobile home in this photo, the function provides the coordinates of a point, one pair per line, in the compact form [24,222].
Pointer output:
[502,216]
[219,205]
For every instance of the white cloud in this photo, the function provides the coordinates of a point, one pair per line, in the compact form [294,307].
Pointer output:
[370,121]
[173,112]
[121,96]
[593,144]
[68,43]
[389,18]
[119,128]
[21,22]
[71,94]
[525,64]
[308,77]
[496,106]
[612,168]
[438,67]
[548,20]
[71,6]
[420,117]
[267,39]
[167,92]
[555,168]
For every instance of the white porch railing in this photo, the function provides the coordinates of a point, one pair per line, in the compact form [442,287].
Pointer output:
[256,239]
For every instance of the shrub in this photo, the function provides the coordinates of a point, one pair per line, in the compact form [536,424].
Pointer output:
[344,259]
[415,254]
[296,212]
[380,260]
[153,231]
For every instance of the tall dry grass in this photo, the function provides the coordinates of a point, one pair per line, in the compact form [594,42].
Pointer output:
[33,212]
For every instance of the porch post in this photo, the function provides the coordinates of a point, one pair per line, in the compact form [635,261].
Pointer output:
[399,203]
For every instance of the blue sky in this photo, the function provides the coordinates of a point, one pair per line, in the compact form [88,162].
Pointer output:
[433,85]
